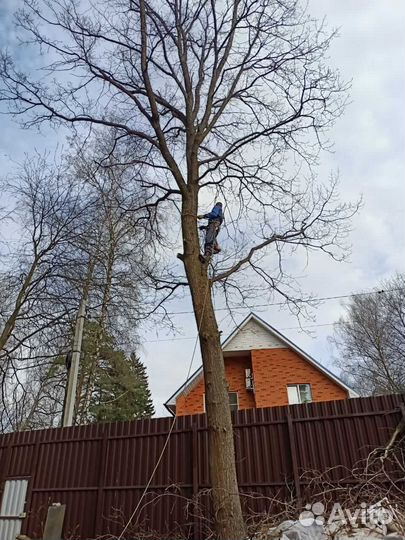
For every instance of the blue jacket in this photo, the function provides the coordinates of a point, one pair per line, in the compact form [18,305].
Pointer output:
[216,213]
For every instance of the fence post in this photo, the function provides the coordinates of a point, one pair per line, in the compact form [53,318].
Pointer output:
[194,444]
[32,482]
[5,462]
[294,461]
[98,518]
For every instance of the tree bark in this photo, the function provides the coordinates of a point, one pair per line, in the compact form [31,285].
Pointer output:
[229,523]
[20,300]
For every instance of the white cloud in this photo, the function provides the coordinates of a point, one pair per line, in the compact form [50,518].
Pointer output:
[369,153]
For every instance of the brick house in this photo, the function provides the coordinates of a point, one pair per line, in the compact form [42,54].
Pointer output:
[263,369]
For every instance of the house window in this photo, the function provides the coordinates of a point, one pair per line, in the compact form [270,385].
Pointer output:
[233,401]
[299,393]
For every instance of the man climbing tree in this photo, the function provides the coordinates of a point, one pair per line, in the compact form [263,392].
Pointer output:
[215,218]
[225,98]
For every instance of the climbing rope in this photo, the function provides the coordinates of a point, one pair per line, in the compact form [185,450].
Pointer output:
[172,424]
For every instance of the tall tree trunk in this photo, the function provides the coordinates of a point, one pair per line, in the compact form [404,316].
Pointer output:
[225,493]
[20,300]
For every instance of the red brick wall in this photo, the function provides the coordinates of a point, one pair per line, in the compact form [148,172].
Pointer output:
[235,375]
[273,369]
[192,402]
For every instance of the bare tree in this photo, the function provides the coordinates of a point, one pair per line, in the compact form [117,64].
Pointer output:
[45,218]
[120,247]
[36,307]
[74,240]
[230,98]
[370,339]
[32,398]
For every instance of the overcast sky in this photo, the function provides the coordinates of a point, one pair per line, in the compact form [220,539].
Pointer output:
[369,155]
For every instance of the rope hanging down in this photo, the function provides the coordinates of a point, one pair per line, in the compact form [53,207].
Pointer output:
[172,424]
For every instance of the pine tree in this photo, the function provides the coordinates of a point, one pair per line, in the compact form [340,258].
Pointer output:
[120,383]
[145,404]
[121,388]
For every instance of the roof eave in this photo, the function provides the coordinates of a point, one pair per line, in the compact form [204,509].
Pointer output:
[171,402]
[171,408]
[305,355]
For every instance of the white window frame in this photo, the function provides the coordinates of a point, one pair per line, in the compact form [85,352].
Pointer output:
[233,404]
[298,399]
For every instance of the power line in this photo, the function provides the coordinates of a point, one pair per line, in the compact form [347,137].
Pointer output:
[281,330]
[275,304]
[338,297]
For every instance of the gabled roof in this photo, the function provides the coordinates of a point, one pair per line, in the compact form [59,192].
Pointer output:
[278,340]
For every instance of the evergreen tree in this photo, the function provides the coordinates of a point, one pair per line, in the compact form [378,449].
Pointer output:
[144,404]
[120,389]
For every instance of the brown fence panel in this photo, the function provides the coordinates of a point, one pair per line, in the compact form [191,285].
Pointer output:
[101,471]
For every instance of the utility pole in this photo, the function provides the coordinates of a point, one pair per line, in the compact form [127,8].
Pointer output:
[70,396]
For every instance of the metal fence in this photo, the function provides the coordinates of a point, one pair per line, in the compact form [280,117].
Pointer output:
[100,471]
